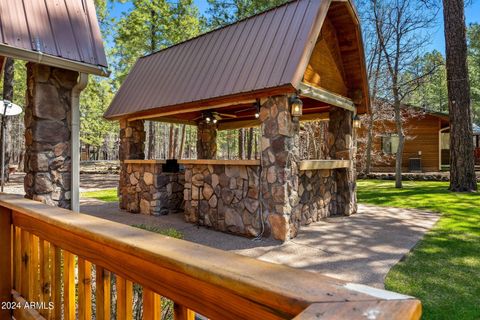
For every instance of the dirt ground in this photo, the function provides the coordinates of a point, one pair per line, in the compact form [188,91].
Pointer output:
[88,182]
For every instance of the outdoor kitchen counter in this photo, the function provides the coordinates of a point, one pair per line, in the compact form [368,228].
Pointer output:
[200,162]
[324,164]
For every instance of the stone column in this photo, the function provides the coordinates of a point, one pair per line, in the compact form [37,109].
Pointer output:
[132,147]
[279,161]
[341,147]
[132,140]
[206,140]
[47,134]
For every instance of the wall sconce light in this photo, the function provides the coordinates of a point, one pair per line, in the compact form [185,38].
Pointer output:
[257,109]
[356,121]
[296,106]
[215,120]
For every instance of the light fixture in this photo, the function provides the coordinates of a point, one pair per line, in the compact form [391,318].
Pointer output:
[257,109]
[356,121]
[208,119]
[215,120]
[296,106]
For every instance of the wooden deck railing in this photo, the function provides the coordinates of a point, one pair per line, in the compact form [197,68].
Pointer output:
[47,254]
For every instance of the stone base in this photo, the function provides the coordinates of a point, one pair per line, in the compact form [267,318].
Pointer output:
[145,189]
[224,198]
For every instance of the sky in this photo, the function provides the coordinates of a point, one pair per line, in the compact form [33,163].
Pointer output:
[472,15]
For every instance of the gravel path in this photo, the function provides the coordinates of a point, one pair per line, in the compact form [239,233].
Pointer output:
[361,248]
[88,182]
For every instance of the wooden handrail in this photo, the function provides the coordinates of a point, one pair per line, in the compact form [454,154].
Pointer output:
[214,283]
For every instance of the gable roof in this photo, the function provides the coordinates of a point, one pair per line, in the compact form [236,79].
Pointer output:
[57,33]
[256,55]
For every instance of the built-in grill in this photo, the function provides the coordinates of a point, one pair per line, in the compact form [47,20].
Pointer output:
[171,166]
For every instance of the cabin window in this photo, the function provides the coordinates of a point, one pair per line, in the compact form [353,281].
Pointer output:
[390,144]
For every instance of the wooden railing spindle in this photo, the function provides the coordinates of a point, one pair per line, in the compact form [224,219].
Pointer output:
[102,293]
[5,260]
[124,299]
[56,281]
[18,259]
[84,289]
[68,286]
[25,239]
[152,305]
[33,275]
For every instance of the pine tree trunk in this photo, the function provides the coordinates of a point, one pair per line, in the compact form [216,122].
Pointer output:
[462,163]
[8,78]
[250,143]
[151,140]
[368,151]
[401,143]
[240,143]
[182,143]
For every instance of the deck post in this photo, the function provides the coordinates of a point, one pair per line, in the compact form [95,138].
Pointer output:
[341,144]
[48,131]
[5,261]
[279,161]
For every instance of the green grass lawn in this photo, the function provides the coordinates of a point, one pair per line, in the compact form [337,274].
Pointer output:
[108,195]
[444,268]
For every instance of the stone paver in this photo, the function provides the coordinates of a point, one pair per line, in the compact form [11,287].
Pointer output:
[360,248]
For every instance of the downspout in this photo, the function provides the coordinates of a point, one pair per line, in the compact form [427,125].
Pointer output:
[75,141]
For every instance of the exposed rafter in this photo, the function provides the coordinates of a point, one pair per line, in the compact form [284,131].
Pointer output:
[326,96]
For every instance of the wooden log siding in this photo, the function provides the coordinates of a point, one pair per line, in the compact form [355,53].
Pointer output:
[215,283]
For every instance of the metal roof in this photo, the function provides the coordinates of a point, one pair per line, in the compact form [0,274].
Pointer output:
[267,51]
[51,31]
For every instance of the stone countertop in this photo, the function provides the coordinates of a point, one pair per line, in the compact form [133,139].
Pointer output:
[200,161]
[221,162]
[324,164]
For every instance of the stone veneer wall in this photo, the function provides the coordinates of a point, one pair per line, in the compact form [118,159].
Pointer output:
[317,193]
[47,134]
[146,189]
[280,157]
[224,197]
[206,140]
[342,146]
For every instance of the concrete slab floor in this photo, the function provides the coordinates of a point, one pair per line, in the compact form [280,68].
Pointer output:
[361,248]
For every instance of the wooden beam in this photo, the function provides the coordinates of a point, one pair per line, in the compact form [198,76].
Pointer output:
[323,116]
[237,124]
[174,120]
[326,96]
[324,164]
[190,109]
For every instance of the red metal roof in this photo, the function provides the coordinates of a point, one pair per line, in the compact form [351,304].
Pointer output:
[65,29]
[267,51]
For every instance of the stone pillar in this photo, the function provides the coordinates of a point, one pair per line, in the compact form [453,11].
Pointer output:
[206,140]
[132,147]
[132,140]
[47,134]
[341,147]
[279,161]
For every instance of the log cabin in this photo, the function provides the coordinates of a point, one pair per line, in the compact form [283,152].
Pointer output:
[426,146]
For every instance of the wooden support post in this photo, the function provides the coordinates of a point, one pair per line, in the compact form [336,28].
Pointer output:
[6,284]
